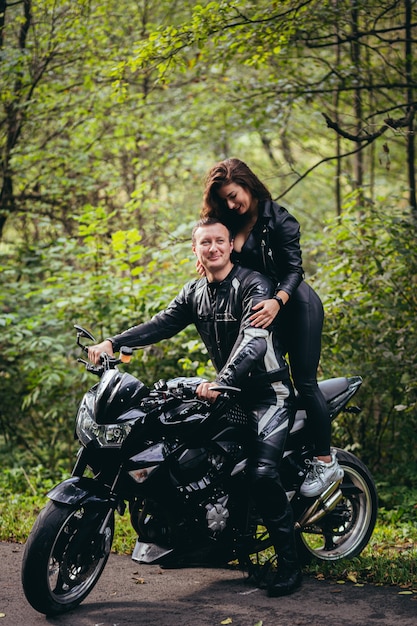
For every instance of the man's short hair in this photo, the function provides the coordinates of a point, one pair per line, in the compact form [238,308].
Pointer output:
[209,221]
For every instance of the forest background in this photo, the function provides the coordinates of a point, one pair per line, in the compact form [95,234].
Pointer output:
[111,113]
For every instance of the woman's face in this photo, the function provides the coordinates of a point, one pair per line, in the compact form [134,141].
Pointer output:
[238,198]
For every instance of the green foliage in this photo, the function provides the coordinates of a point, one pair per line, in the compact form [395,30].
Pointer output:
[126,105]
[367,277]
[280,72]
[23,496]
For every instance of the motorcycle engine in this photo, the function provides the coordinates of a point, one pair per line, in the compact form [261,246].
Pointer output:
[197,472]
[217,515]
[196,468]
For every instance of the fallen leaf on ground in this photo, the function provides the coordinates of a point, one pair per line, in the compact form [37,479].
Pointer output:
[228,620]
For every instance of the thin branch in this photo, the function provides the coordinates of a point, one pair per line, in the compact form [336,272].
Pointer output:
[313,167]
[402,122]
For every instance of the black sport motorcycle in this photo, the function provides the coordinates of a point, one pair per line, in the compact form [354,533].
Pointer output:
[179,465]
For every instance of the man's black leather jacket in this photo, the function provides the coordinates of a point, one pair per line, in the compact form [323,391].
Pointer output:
[273,247]
[220,312]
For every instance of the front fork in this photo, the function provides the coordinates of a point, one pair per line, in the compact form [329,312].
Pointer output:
[80,490]
[80,463]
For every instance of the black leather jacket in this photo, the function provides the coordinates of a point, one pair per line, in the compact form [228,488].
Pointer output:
[273,247]
[220,312]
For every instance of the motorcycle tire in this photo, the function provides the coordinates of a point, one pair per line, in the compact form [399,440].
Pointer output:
[344,532]
[65,555]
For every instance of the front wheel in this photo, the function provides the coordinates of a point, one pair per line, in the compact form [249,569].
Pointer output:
[65,555]
[345,531]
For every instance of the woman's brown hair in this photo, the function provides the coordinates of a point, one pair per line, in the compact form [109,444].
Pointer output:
[223,173]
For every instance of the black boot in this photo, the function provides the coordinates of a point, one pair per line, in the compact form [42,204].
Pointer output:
[287,577]
[286,580]
[276,513]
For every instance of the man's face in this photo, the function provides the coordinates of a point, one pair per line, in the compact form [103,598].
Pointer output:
[212,247]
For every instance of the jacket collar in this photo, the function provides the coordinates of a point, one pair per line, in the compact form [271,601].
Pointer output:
[225,279]
[266,210]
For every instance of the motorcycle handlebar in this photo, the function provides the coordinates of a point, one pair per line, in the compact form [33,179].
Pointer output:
[187,391]
[185,388]
[107,361]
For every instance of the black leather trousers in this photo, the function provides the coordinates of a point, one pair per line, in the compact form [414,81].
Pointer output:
[270,422]
[299,327]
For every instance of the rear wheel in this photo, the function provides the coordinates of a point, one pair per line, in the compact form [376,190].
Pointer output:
[65,555]
[344,532]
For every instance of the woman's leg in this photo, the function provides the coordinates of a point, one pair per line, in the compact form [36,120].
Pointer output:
[303,329]
[302,325]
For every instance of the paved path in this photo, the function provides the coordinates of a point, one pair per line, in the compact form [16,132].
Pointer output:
[129,594]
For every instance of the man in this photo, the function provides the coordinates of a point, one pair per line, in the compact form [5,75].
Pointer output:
[220,305]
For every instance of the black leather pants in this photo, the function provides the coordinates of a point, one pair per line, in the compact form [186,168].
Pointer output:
[270,424]
[299,327]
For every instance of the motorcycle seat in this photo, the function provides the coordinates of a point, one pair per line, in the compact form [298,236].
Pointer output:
[333,387]
[330,388]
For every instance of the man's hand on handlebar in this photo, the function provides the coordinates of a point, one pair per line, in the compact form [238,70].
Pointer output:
[94,352]
[204,392]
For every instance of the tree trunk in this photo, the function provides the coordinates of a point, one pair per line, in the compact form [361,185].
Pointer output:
[338,189]
[357,104]
[410,135]
[14,118]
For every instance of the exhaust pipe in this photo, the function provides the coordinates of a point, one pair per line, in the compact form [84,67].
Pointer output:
[325,503]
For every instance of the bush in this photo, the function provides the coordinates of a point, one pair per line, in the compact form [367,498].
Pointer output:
[367,278]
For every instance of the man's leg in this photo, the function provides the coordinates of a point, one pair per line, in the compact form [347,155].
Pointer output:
[271,423]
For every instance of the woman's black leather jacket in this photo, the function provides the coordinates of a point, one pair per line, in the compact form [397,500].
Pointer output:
[273,247]
[220,312]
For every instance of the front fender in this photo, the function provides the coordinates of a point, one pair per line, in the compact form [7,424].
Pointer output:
[78,489]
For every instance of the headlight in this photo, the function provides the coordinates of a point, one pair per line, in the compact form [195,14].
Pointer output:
[103,435]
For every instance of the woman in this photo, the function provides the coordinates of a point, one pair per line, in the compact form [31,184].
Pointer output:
[267,239]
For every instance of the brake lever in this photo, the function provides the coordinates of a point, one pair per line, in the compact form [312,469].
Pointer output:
[90,367]
[226,388]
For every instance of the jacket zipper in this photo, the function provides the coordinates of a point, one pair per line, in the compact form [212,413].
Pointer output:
[263,245]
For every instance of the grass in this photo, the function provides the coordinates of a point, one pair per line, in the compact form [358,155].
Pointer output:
[389,559]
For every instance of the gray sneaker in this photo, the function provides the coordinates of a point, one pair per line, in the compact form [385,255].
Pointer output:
[320,475]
